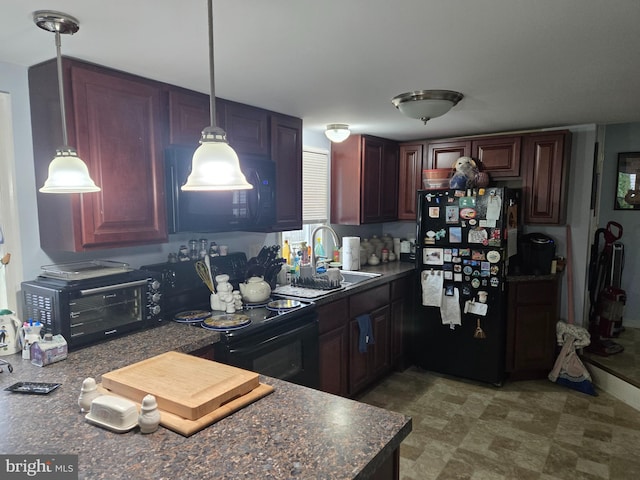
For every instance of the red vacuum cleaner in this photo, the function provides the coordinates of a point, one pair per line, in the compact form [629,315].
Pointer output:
[607,298]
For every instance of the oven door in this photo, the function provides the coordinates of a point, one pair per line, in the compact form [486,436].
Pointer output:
[290,354]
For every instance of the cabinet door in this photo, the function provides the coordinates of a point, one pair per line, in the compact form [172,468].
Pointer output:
[118,132]
[499,156]
[188,116]
[334,353]
[286,152]
[247,127]
[531,326]
[444,154]
[370,191]
[546,159]
[409,179]
[379,182]
[366,367]
[389,183]
[333,322]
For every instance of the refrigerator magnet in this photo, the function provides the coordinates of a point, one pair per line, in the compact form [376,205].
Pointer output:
[485,265]
[467,202]
[448,275]
[452,214]
[475,282]
[434,212]
[494,281]
[457,277]
[455,234]
[493,256]
[432,256]
[478,235]
[468,213]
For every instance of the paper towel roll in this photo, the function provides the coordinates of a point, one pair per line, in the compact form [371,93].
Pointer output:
[351,253]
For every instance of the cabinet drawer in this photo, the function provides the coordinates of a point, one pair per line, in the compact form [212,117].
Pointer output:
[367,301]
[535,292]
[332,315]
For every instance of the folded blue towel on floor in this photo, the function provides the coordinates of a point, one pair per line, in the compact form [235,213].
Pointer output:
[366,332]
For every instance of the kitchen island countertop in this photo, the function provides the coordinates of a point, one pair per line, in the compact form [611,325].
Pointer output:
[295,432]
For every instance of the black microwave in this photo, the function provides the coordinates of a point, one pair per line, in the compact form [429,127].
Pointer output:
[244,210]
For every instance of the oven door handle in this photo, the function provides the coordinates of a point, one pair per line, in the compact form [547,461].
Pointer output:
[110,288]
[271,338]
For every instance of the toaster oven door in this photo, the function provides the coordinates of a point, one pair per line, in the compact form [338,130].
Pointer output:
[107,311]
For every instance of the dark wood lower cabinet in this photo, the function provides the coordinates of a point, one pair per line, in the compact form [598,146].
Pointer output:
[366,367]
[346,371]
[334,347]
[531,328]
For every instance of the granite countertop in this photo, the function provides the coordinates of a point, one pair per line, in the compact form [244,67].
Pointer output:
[295,432]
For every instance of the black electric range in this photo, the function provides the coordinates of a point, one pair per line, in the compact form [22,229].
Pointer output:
[278,343]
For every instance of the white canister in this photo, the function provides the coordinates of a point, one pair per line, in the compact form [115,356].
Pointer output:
[10,326]
[350,253]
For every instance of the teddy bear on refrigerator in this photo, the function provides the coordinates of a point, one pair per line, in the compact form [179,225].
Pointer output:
[465,172]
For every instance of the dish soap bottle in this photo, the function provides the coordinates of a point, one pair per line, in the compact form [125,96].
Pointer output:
[319,249]
[286,252]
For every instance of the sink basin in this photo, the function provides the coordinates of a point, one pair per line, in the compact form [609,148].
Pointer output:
[353,277]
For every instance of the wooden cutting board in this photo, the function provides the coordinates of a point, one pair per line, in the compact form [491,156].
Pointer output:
[188,427]
[187,386]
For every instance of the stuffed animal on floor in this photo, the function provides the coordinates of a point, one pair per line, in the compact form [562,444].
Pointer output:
[465,172]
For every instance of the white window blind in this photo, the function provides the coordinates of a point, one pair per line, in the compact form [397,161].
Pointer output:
[315,185]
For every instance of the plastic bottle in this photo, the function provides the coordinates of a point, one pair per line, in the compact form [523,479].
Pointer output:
[319,249]
[286,252]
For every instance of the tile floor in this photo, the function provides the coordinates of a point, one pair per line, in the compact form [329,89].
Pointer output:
[524,430]
[625,365]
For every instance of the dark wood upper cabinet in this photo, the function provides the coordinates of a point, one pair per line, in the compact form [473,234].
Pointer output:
[498,155]
[546,162]
[116,123]
[286,152]
[364,180]
[443,154]
[409,179]
[247,127]
[188,116]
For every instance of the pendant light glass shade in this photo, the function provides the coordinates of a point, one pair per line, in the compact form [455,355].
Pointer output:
[215,165]
[426,104]
[337,132]
[67,172]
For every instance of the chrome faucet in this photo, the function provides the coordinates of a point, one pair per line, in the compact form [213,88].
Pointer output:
[336,242]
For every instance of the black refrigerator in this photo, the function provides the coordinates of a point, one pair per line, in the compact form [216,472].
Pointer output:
[461,260]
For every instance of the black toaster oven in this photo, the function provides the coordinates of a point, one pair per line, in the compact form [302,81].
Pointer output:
[87,311]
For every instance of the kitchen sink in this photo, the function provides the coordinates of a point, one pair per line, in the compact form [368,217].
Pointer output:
[353,277]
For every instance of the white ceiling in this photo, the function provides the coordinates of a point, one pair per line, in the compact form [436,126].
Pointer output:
[520,63]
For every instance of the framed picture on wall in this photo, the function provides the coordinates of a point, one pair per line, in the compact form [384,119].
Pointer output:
[628,182]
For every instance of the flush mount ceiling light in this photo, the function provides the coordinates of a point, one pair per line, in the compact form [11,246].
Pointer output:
[426,104]
[67,172]
[215,165]
[337,132]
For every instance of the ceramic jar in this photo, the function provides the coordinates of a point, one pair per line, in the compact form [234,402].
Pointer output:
[373,259]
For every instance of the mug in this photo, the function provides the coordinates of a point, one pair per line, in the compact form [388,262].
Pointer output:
[334,275]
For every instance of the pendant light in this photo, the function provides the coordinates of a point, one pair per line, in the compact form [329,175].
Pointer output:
[67,172]
[426,104]
[337,132]
[215,165]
